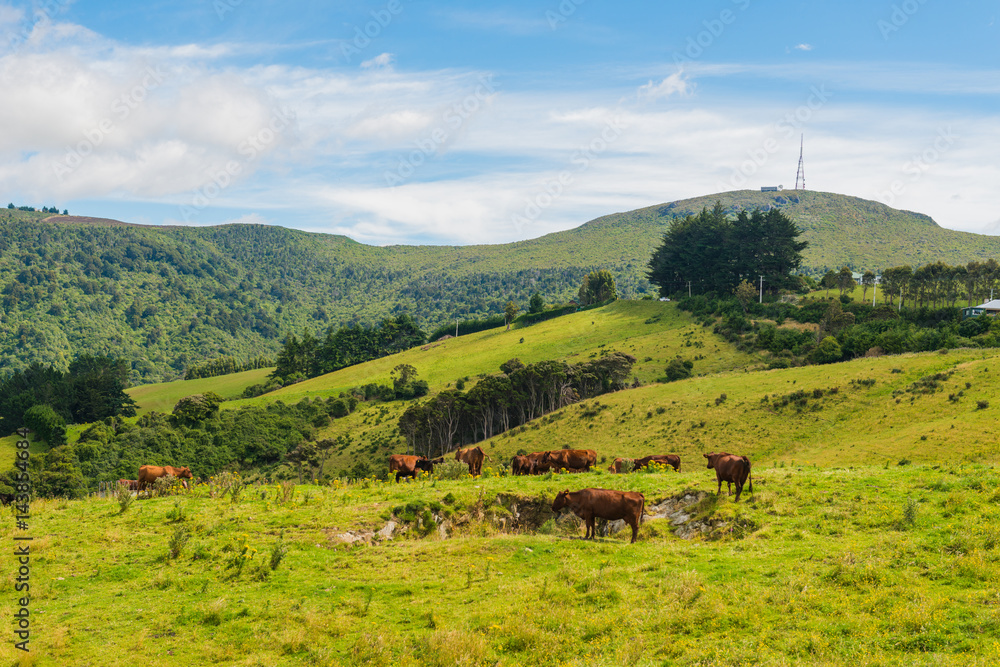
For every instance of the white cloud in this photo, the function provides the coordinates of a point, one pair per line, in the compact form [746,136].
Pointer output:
[506,147]
[671,85]
[804,47]
[383,60]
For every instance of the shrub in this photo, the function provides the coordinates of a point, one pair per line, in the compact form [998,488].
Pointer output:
[124,496]
[178,541]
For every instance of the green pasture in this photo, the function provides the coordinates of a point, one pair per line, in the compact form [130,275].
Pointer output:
[871,417]
[651,331]
[868,565]
[163,396]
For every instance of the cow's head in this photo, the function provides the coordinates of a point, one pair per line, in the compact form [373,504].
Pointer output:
[184,472]
[561,501]
[424,464]
[712,458]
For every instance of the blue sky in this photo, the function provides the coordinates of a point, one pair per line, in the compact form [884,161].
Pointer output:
[416,122]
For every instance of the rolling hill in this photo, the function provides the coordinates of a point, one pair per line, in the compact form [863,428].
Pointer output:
[168,297]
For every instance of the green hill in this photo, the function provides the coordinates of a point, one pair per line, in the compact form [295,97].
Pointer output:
[168,297]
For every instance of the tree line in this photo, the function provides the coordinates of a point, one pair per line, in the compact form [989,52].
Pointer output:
[309,356]
[91,390]
[497,403]
[225,366]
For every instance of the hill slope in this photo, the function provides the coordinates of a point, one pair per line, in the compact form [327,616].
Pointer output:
[168,297]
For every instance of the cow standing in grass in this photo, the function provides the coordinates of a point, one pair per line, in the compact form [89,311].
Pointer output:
[149,474]
[732,470]
[576,460]
[520,465]
[407,465]
[590,504]
[472,457]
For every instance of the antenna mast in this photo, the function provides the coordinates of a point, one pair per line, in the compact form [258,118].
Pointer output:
[800,175]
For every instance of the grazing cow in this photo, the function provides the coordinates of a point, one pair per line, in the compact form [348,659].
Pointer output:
[130,484]
[619,463]
[535,464]
[149,474]
[472,457]
[671,460]
[407,465]
[732,470]
[520,465]
[589,504]
[570,458]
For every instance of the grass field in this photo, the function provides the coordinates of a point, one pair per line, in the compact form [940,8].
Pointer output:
[892,565]
[163,396]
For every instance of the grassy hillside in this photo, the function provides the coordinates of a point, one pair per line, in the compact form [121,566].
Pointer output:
[168,297]
[862,566]
[879,412]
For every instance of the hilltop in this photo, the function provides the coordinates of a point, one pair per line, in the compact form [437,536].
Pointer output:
[168,297]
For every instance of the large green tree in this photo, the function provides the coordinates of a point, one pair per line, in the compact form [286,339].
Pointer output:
[710,252]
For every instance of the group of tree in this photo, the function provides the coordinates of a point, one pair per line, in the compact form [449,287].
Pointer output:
[843,330]
[225,366]
[598,287]
[31,209]
[260,438]
[498,403]
[934,285]
[710,252]
[309,356]
[92,389]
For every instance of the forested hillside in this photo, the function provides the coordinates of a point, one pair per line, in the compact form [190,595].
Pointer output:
[167,298]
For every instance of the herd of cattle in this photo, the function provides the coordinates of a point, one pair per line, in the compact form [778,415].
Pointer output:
[588,504]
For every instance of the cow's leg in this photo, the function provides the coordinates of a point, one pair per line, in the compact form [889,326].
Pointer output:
[635,531]
[739,490]
[718,491]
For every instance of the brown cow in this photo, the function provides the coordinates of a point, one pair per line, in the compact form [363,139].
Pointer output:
[472,457]
[589,504]
[732,470]
[149,474]
[570,458]
[663,459]
[619,463]
[535,464]
[520,465]
[407,465]
[130,484]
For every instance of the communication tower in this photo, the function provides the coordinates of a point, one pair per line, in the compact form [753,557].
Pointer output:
[800,175]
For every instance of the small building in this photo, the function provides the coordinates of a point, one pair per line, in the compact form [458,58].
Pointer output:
[772,188]
[991,308]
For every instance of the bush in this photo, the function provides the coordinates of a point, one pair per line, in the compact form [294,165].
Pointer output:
[451,469]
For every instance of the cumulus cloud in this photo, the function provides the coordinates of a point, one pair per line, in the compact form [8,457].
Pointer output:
[803,47]
[675,84]
[383,60]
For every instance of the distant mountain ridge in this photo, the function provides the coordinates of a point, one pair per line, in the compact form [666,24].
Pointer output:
[168,297]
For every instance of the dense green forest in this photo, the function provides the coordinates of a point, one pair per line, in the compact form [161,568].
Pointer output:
[166,299]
